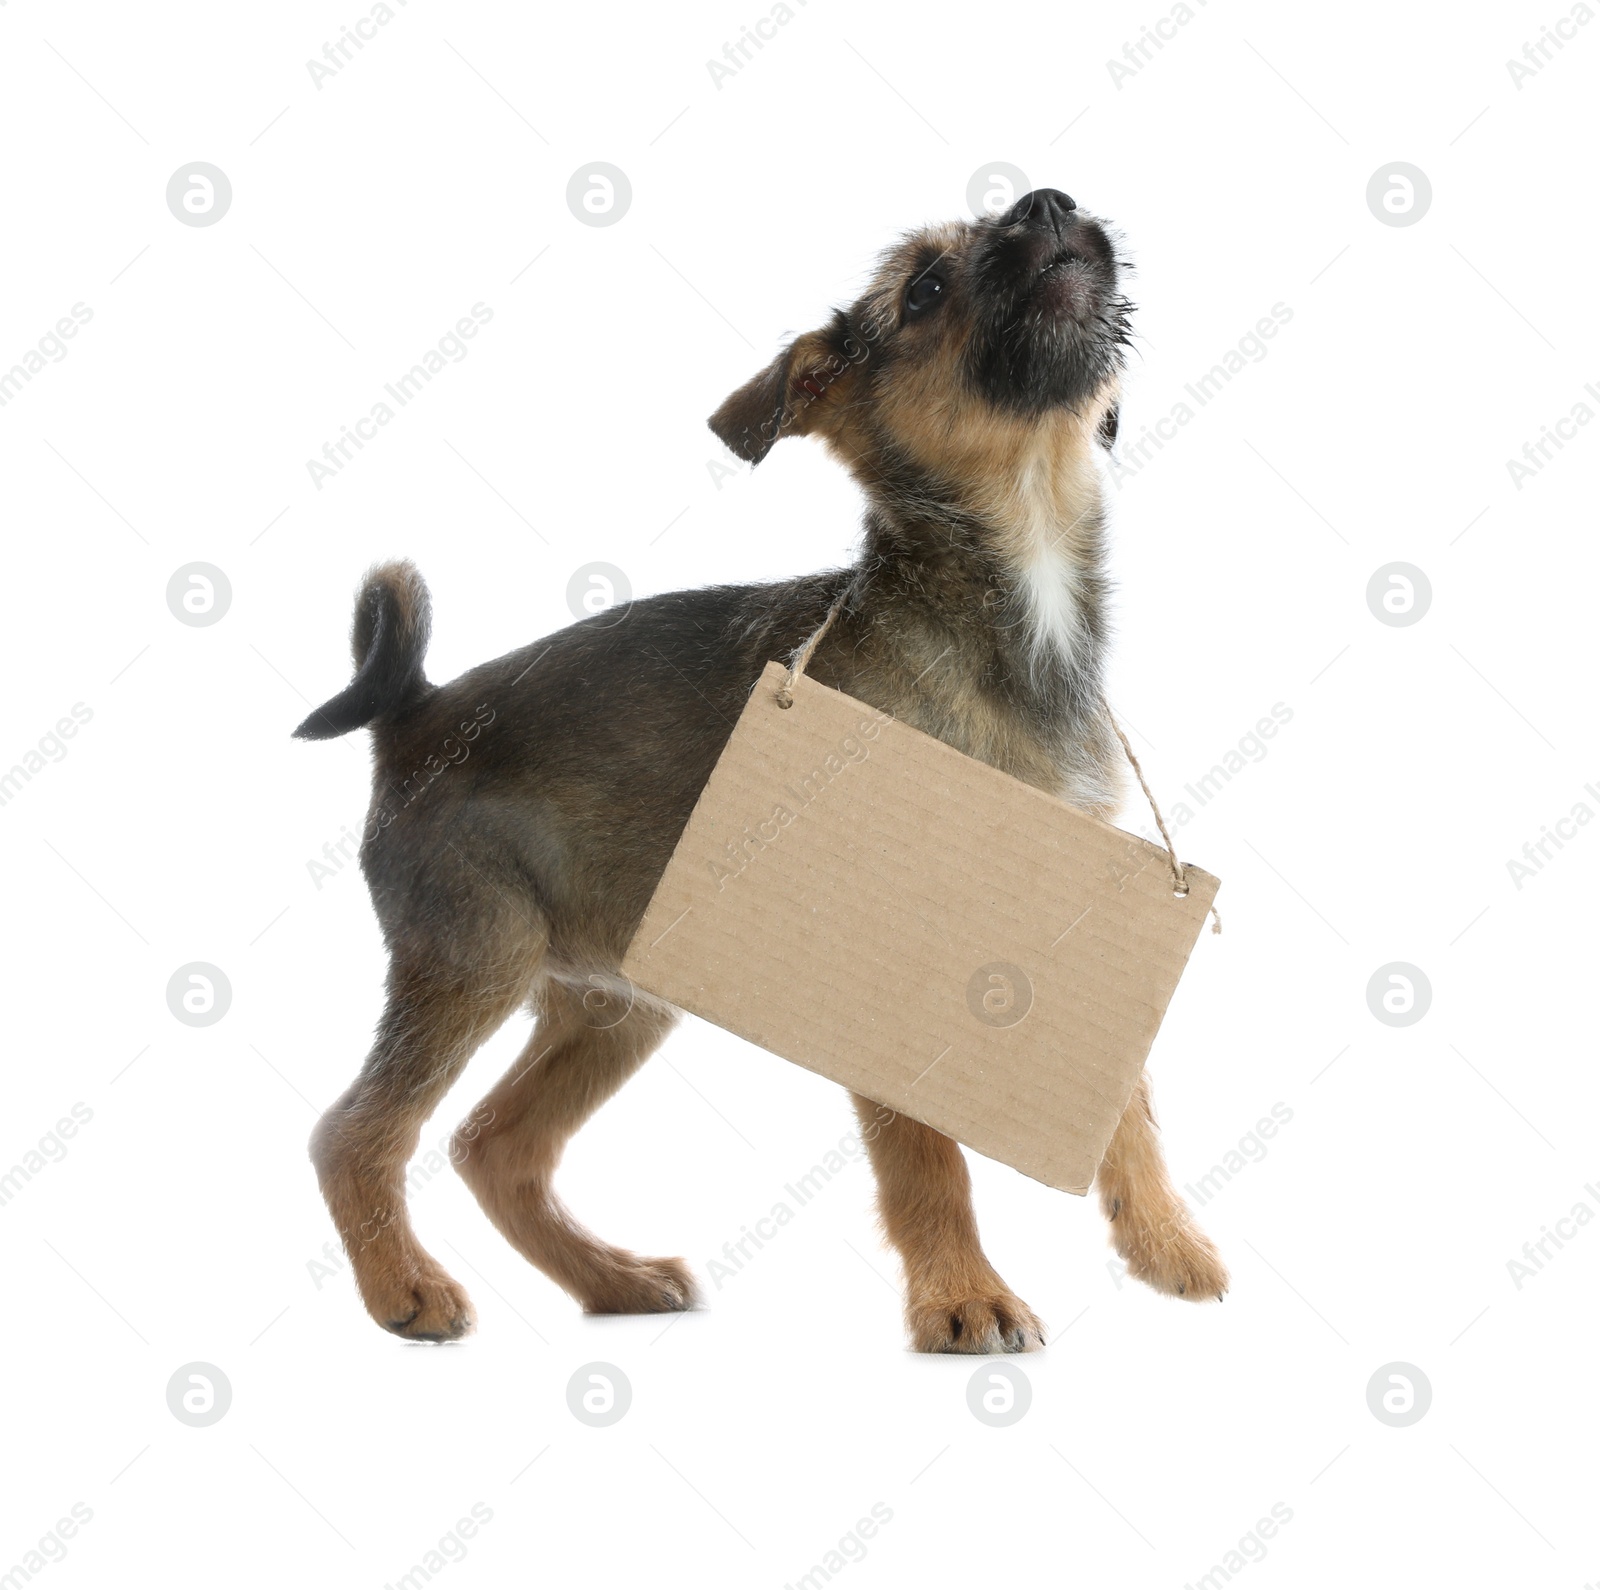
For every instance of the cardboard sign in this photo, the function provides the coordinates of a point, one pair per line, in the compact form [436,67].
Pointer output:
[868,902]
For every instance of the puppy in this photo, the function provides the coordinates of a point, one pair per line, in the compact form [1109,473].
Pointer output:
[523,814]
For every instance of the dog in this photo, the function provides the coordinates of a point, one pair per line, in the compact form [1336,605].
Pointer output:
[523,814]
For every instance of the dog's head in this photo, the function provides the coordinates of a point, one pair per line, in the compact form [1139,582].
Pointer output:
[976,340]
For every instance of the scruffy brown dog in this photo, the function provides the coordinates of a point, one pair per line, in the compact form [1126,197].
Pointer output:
[523,814]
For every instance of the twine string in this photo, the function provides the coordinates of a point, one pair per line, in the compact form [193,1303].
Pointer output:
[1180,878]
[805,654]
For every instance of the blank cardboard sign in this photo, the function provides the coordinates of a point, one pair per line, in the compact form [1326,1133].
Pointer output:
[868,902]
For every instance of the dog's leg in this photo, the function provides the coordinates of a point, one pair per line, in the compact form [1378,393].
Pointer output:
[1151,1227]
[955,1302]
[436,1017]
[508,1149]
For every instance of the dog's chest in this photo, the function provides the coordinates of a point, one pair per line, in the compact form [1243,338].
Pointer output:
[1049,531]
[1052,560]
[1024,719]
[1052,594]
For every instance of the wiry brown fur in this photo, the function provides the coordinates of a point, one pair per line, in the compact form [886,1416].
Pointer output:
[523,813]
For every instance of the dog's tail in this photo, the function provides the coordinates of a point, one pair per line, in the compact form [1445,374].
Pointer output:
[388,639]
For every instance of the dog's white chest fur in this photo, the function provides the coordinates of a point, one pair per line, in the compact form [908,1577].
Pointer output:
[1051,588]
[1050,527]
[1046,538]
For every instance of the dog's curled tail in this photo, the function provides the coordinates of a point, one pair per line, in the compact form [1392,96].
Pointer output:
[388,639]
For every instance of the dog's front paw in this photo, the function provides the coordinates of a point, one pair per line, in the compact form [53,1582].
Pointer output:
[1181,1262]
[986,1322]
[641,1286]
[427,1306]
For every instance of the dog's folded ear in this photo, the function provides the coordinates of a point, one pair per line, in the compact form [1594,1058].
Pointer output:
[794,395]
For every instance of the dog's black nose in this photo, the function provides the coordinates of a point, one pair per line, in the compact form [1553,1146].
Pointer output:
[1043,207]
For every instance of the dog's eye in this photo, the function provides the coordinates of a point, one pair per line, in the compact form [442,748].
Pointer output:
[924,292]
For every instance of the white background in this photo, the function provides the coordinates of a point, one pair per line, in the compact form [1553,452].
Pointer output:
[371,213]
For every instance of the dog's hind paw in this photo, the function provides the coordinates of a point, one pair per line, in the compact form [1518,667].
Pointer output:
[642,1286]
